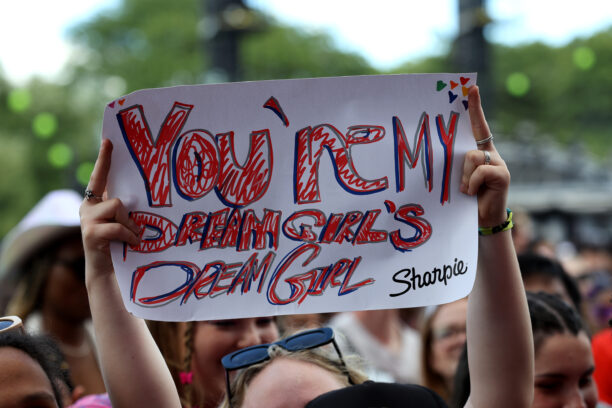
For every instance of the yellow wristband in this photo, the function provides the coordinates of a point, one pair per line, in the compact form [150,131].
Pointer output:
[504,226]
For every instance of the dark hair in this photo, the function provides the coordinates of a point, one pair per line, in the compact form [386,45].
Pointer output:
[535,265]
[37,347]
[549,315]
[58,360]
[461,382]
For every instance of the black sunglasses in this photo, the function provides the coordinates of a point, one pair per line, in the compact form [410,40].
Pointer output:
[305,340]
[8,323]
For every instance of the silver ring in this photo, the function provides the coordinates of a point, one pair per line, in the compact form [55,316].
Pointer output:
[487,156]
[90,194]
[484,141]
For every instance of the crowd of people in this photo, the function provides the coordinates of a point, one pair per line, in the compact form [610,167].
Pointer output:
[532,333]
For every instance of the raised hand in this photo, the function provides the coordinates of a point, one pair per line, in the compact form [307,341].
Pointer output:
[484,171]
[103,220]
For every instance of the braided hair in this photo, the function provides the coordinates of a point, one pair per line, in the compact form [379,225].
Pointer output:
[175,342]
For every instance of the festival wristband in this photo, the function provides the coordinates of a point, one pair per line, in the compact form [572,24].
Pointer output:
[504,226]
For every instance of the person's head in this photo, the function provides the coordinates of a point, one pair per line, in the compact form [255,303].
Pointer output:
[27,378]
[296,322]
[543,274]
[43,258]
[563,359]
[443,339]
[193,352]
[290,379]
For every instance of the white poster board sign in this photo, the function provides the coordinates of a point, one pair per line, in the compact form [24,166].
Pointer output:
[294,196]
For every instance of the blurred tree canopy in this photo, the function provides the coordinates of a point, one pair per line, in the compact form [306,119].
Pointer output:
[50,131]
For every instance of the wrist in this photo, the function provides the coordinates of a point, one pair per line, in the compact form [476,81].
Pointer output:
[506,225]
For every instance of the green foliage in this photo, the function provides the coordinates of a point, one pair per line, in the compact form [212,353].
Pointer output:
[50,131]
[282,52]
[147,44]
[568,92]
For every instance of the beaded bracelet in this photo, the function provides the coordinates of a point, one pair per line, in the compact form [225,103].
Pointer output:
[504,226]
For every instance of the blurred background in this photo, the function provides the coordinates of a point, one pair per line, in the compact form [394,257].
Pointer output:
[545,69]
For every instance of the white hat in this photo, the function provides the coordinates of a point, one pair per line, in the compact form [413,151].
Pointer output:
[56,214]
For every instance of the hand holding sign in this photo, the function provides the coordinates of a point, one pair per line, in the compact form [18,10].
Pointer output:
[489,180]
[336,196]
[103,221]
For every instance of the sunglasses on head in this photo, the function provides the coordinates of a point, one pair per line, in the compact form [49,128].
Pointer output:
[305,340]
[8,323]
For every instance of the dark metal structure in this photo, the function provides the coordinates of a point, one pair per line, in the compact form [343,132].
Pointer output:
[471,51]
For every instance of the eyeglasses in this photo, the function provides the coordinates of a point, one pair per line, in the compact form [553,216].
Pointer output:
[445,333]
[8,323]
[305,340]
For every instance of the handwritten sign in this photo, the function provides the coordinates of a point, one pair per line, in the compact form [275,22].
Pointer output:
[294,196]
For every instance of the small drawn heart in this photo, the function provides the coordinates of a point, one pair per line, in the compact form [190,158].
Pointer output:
[112,104]
[440,85]
[465,90]
[464,80]
[451,97]
[453,84]
[465,103]
[121,101]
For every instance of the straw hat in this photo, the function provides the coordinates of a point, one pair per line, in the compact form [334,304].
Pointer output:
[57,214]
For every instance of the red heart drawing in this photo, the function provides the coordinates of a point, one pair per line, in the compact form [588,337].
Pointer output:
[453,84]
[121,101]
[464,80]
[112,104]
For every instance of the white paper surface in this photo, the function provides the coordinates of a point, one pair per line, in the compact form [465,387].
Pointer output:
[223,178]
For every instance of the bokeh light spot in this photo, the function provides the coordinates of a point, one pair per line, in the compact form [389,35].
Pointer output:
[83,172]
[19,100]
[518,84]
[44,125]
[59,155]
[584,58]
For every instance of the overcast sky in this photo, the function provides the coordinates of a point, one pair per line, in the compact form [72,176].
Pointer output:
[391,32]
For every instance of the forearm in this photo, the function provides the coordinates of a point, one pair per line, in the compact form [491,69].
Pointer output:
[500,343]
[134,371]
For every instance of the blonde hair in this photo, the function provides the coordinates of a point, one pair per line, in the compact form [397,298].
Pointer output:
[30,285]
[347,375]
[175,342]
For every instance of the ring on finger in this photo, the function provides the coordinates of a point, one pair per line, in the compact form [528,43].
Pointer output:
[487,157]
[90,194]
[485,141]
